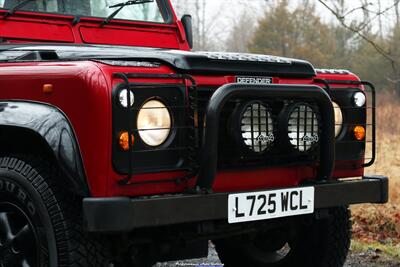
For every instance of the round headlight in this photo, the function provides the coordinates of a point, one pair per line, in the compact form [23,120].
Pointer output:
[360,99]
[154,123]
[338,119]
[123,98]
[303,127]
[257,127]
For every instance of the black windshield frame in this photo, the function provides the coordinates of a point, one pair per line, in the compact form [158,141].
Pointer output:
[163,5]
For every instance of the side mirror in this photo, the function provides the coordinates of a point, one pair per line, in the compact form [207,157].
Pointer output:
[188,26]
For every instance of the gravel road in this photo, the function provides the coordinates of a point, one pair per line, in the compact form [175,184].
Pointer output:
[356,259]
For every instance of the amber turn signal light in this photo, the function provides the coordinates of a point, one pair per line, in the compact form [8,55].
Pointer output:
[123,140]
[359,133]
[48,88]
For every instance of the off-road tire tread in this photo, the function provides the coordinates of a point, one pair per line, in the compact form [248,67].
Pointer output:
[326,244]
[340,237]
[75,247]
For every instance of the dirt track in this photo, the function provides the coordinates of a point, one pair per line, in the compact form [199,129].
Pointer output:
[371,259]
[355,259]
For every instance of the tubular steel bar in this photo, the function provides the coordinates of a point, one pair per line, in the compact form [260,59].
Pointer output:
[208,166]
[373,92]
[327,86]
[125,77]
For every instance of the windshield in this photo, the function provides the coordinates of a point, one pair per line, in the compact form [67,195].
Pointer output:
[150,12]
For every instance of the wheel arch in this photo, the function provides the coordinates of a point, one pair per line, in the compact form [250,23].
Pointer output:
[43,130]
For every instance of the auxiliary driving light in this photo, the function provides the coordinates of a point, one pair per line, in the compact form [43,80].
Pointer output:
[303,127]
[359,133]
[154,123]
[123,141]
[123,98]
[338,119]
[257,127]
[360,99]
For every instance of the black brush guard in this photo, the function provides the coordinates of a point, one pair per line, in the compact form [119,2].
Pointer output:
[124,214]
[208,166]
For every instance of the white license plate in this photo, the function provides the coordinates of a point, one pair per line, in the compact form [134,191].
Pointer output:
[256,206]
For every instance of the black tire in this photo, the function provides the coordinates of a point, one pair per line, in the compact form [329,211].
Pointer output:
[321,243]
[28,188]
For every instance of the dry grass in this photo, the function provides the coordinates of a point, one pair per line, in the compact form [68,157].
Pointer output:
[381,223]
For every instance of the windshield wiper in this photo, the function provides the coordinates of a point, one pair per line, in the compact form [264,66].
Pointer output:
[17,7]
[121,6]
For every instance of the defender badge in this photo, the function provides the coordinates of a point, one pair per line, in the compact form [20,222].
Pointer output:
[253,80]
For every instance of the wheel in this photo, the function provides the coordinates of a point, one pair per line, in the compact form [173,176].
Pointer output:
[40,224]
[321,243]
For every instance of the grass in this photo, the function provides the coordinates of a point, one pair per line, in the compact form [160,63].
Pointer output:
[378,226]
[391,250]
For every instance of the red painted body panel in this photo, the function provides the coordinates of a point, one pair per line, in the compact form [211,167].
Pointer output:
[228,180]
[46,27]
[37,31]
[127,36]
[82,90]
[88,86]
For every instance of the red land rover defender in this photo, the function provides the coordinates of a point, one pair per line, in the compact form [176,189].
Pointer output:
[120,147]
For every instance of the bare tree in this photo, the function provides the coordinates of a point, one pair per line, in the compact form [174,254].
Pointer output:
[362,29]
[380,19]
[206,22]
[241,33]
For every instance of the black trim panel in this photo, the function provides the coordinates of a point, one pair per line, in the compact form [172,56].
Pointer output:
[54,127]
[124,214]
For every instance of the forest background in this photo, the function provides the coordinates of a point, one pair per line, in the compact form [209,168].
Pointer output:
[362,36]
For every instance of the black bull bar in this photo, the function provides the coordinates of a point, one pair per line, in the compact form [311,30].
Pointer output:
[208,166]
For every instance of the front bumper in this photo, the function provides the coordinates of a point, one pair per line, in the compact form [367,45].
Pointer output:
[123,214]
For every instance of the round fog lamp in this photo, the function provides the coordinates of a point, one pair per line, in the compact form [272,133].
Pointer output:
[338,118]
[257,127]
[154,123]
[360,99]
[303,127]
[123,98]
